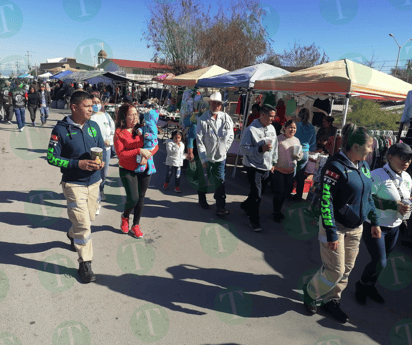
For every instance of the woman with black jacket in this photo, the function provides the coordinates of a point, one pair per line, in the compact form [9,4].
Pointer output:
[33,104]
[345,205]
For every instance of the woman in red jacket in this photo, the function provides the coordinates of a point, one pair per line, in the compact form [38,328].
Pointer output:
[128,144]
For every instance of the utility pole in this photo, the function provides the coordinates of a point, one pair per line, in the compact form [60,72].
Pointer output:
[28,60]
[17,68]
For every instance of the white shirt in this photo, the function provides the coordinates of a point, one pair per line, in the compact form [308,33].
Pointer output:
[106,126]
[214,137]
[384,187]
[175,154]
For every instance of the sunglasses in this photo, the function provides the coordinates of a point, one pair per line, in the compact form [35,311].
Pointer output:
[405,158]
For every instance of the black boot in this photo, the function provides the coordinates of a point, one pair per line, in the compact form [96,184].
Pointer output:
[333,308]
[86,273]
[360,292]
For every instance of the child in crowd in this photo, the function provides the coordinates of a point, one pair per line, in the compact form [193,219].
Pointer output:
[149,132]
[174,161]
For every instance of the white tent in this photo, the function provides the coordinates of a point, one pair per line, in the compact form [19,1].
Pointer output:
[45,75]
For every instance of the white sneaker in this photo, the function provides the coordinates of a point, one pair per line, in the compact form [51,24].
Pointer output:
[98,210]
[21,129]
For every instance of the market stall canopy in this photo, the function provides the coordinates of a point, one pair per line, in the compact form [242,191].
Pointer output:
[121,78]
[45,75]
[342,77]
[61,74]
[244,77]
[27,76]
[163,77]
[191,78]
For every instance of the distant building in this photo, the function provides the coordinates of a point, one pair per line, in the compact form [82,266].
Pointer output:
[143,70]
[63,64]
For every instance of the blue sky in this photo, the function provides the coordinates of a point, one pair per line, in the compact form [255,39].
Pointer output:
[342,28]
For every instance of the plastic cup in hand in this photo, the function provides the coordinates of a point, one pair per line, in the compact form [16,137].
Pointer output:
[96,154]
[407,214]
[269,142]
[297,149]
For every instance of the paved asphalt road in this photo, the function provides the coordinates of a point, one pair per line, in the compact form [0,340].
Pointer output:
[193,279]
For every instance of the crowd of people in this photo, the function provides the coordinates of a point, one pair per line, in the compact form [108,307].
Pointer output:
[355,202]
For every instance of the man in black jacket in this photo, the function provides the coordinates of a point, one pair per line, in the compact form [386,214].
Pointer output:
[45,100]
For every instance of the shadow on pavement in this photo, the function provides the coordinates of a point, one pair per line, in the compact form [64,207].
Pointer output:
[169,292]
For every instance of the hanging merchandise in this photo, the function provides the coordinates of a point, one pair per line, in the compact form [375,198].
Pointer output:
[291,106]
[270,99]
[318,116]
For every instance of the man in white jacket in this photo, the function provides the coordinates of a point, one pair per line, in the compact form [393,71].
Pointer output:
[214,136]
[107,128]
[259,147]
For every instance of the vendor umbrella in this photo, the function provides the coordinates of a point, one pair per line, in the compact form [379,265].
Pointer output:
[190,79]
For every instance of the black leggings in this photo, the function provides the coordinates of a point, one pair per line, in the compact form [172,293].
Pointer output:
[136,185]
[282,185]
[32,110]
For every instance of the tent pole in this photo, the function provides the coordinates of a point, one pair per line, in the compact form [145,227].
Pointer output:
[245,113]
[345,113]
[331,106]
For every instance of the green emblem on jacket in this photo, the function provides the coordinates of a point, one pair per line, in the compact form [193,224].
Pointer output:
[92,132]
[366,172]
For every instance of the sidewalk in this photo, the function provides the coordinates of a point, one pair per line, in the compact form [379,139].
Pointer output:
[193,278]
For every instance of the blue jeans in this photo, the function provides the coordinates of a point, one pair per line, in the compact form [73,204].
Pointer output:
[44,111]
[216,175]
[173,170]
[106,159]
[379,250]
[20,116]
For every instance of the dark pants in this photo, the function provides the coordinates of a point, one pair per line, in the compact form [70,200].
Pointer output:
[32,110]
[379,250]
[282,184]
[8,112]
[216,175]
[300,174]
[136,185]
[256,179]
[173,170]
